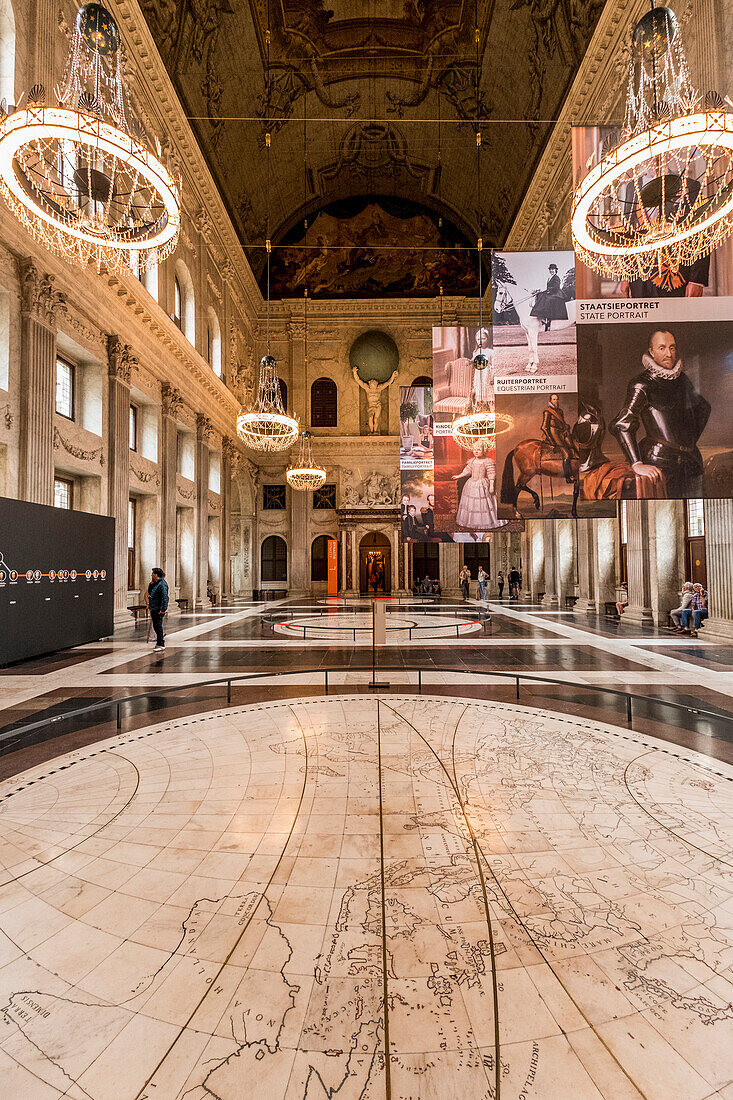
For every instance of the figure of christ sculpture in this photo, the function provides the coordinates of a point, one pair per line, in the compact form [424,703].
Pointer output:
[373,391]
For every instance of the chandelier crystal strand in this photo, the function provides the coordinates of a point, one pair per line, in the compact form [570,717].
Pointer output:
[661,193]
[83,177]
[266,427]
[476,425]
[305,474]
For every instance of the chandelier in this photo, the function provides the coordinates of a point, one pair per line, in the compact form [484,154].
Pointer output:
[304,474]
[480,428]
[661,194]
[266,426]
[82,176]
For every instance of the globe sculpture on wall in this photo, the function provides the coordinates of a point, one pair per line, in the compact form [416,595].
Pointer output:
[661,194]
[83,176]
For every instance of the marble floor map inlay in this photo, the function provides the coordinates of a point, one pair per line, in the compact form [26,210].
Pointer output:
[358,898]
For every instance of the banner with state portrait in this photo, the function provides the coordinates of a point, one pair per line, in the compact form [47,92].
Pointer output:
[655,387]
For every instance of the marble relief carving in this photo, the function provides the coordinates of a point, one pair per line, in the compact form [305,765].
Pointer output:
[378,489]
[172,402]
[60,442]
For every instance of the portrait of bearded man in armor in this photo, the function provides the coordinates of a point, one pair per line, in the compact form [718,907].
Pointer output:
[661,421]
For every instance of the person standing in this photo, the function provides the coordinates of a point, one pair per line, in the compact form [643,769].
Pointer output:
[158,605]
[514,579]
[464,578]
[500,584]
[483,578]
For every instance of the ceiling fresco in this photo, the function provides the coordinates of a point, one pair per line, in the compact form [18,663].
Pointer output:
[390,91]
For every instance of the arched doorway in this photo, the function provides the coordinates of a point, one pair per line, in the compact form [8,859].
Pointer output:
[375,562]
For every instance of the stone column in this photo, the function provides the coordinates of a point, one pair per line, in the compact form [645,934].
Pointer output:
[405,551]
[566,558]
[204,432]
[450,553]
[354,589]
[172,403]
[537,543]
[551,597]
[638,562]
[299,549]
[719,558]
[604,536]
[586,601]
[120,360]
[298,381]
[229,456]
[395,561]
[45,23]
[668,556]
[344,554]
[39,304]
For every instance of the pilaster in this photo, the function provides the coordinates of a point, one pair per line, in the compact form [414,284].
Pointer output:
[551,597]
[229,455]
[39,304]
[299,569]
[172,402]
[587,601]
[450,553]
[719,557]
[204,432]
[120,360]
[639,562]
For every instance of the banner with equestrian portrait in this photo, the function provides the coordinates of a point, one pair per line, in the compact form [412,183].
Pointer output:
[655,392]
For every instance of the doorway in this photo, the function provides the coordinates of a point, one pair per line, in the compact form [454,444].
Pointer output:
[375,565]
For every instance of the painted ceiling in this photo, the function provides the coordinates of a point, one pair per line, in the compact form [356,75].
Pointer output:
[387,93]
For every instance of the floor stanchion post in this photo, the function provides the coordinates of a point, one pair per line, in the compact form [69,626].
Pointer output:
[517,687]
[325,676]
[628,709]
[119,717]
[229,692]
[419,681]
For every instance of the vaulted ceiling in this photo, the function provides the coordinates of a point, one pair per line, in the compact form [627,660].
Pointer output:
[389,88]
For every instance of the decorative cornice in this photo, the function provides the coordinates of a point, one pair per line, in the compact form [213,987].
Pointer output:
[39,298]
[96,455]
[120,359]
[171,399]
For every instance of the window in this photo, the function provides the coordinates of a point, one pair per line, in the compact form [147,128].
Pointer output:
[319,558]
[284,393]
[131,542]
[422,380]
[695,519]
[63,493]
[476,554]
[273,496]
[622,534]
[177,302]
[425,561]
[696,570]
[325,497]
[324,408]
[133,427]
[213,342]
[274,559]
[65,389]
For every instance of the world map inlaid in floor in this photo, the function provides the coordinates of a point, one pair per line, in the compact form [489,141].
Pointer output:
[264,901]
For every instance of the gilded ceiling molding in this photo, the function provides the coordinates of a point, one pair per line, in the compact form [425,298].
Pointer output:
[587,102]
[200,191]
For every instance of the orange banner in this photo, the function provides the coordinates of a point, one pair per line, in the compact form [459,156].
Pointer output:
[333,567]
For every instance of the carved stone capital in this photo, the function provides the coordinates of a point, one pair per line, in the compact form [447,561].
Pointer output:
[204,428]
[171,399]
[120,359]
[39,298]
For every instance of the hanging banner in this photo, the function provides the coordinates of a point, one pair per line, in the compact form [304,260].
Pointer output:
[689,281]
[656,388]
[333,567]
[417,520]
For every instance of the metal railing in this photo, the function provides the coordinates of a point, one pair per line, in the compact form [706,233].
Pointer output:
[11,739]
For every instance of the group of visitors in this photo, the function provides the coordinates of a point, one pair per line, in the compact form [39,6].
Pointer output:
[515,583]
[427,587]
[692,610]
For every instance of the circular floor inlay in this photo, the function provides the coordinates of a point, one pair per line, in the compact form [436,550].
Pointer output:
[402,626]
[259,902]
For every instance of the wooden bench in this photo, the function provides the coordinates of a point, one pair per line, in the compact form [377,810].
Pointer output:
[570,601]
[611,612]
[184,603]
[137,610]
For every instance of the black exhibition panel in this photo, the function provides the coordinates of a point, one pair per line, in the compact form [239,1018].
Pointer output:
[56,579]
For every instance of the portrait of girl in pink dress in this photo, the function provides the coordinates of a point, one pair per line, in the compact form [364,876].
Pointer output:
[477,506]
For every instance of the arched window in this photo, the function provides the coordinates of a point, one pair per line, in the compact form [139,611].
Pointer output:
[324,406]
[177,302]
[7,51]
[319,558]
[184,302]
[284,393]
[422,380]
[273,559]
[213,342]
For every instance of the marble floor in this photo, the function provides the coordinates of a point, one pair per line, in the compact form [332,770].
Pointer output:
[324,896]
[402,897]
